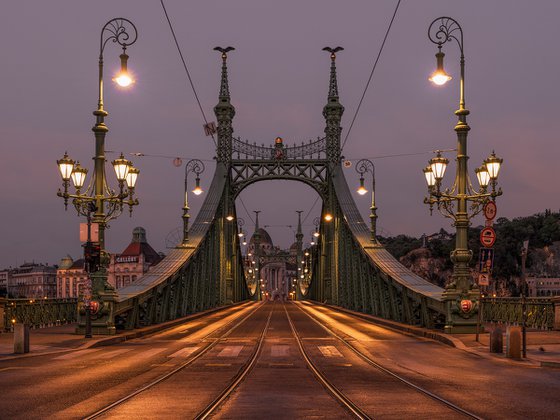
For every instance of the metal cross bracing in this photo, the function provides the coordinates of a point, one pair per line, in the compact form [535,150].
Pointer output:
[348,266]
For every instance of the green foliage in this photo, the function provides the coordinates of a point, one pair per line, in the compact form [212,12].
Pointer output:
[540,229]
[400,245]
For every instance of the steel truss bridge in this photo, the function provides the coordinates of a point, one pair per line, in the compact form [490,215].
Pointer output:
[348,268]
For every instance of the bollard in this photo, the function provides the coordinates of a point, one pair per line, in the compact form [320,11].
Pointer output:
[21,338]
[496,340]
[513,342]
[556,302]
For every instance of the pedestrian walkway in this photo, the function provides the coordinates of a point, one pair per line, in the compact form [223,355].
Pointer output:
[543,347]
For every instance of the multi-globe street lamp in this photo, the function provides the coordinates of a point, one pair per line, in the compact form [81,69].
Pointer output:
[98,198]
[363,166]
[197,167]
[454,202]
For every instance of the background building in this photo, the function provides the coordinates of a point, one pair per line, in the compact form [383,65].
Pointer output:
[32,280]
[137,258]
[70,278]
[277,267]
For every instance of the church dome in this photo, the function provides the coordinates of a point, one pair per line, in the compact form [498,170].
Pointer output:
[265,237]
[66,262]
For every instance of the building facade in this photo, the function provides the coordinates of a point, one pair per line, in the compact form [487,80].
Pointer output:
[71,278]
[278,268]
[543,286]
[137,258]
[32,280]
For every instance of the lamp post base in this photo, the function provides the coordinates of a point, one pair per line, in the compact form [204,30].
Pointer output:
[102,307]
[462,311]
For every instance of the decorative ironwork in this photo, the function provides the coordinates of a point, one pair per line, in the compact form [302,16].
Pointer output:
[445,30]
[246,150]
[313,173]
[540,311]
[39,313]
[116,30]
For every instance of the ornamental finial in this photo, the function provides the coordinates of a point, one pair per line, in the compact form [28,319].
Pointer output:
[333,84]
[224,85]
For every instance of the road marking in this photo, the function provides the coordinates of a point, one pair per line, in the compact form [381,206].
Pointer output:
[75,354]
[343,364]
[330,351]
[191,326]
[111,354]
[230,351]
[149,353]
[187,351]
[217,364]
[17,367]
[280,351]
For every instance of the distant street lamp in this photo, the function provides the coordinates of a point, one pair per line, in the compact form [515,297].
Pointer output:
[363,166]
[197,167]
[107,203]
[240,223]
[453,202]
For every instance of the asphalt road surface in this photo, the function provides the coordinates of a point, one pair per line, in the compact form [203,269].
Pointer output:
[278,353]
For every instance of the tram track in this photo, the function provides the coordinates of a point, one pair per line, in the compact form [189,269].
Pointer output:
[388,371]
[347,399]
[200,353]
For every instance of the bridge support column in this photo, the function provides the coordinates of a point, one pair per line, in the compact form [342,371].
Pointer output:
[102,307]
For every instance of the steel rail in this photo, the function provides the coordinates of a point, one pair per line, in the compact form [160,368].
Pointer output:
[328,385]
[389,372]
[217,402]
[192,359]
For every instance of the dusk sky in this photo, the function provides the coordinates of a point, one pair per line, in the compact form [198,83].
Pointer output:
[278,82]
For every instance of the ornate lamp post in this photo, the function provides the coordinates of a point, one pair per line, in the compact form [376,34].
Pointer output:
[363,166]
[197,167]
[453,202]
[108,203]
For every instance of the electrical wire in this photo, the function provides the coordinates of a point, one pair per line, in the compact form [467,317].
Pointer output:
[371,75]
[404,154]
[186,68]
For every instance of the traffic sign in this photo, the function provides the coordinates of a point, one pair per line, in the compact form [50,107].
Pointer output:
[488,237]
[486,260]
[483,279]
[490,210]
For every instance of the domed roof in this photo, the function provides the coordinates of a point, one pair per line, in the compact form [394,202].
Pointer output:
[66,262]
[265,237]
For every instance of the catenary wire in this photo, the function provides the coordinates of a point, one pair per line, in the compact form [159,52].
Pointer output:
[371,75]
[186,68]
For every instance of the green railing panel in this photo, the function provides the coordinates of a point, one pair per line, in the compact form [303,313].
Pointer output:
[38,313]
[509,310]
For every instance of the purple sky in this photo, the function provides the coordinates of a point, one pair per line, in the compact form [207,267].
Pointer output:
[278,82]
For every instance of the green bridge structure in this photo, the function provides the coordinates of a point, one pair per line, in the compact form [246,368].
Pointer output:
[350,268]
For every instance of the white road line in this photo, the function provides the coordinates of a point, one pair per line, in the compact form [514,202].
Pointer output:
[186,352]
[146,354]
[230,351]
[74,354]
[111,354]
[280,351]
[330,351]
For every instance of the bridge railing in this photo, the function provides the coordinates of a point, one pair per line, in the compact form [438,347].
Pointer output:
[509,310]
[37,313]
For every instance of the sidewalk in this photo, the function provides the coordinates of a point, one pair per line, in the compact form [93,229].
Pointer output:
[543,347]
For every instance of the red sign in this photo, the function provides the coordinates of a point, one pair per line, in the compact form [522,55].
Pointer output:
[488,237]
[466,305]
[490,210]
